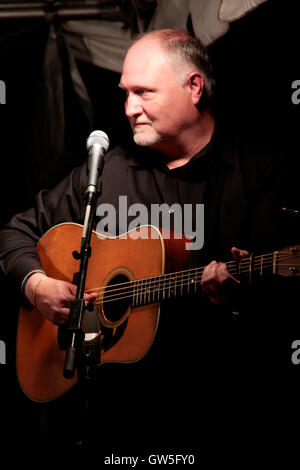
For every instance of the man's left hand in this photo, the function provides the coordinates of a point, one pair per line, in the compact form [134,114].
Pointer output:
[216,282]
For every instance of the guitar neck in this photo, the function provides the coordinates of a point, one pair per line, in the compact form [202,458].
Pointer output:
[186,282]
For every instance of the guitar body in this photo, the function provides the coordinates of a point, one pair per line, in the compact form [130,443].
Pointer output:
[135,255]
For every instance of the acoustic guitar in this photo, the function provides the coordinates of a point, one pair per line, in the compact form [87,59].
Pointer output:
[131,274]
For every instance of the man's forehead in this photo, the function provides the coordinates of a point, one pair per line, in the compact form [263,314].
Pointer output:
[145,44]
[145,59]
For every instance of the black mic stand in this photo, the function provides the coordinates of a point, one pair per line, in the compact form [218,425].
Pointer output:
[77,355]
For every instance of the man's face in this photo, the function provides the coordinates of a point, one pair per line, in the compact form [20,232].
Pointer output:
[157,105]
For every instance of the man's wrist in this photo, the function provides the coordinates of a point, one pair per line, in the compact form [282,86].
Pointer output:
[28,276]
[31,285]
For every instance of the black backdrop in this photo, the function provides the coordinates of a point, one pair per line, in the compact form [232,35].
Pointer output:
[255,64]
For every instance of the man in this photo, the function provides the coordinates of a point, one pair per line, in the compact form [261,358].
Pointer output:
[177,136]
[182,156]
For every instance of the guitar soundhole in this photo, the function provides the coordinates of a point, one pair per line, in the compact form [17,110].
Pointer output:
[117,298]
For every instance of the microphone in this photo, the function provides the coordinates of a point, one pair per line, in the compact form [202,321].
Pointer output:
[97,145]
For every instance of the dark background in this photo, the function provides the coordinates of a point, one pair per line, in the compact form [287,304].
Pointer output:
[255,64]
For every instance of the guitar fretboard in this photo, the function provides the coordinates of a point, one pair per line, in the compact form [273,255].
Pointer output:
[156,289]
[166,286]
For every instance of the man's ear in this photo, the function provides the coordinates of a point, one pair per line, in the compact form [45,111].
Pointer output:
[196,85]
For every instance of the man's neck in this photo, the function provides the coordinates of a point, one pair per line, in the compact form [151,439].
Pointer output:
[192,143]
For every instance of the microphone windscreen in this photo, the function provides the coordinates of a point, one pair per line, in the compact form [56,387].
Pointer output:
[97,138]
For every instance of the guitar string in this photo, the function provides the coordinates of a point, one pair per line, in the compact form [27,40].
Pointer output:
[188,272]
[180,275]
[143,293]
[168,283]
[149,282]
[146,290]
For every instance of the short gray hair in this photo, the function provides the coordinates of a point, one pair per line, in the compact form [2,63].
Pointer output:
[180,45]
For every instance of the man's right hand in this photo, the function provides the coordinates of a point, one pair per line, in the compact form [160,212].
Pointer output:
[52,297]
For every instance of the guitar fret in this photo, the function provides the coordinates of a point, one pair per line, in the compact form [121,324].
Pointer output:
[136,293]
[193,283]
[164,288]
[144,294]
[152,291]
[149,292]
[146,291]
[247,268]
[181,284]
[239,268]
[250,267]
[275,262]
[141,292]
[261,265]
[156,289]
[133,294]
[197,280]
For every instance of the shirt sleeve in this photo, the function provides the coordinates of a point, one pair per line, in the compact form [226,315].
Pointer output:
[19,237]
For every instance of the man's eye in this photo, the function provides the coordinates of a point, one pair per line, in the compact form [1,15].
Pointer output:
[142,91]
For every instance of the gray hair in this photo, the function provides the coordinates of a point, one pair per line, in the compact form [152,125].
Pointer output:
[181,46]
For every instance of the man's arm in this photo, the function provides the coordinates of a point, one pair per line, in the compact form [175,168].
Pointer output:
[266,178]
[19,259]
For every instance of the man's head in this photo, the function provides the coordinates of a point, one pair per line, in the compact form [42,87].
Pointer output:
[168,80]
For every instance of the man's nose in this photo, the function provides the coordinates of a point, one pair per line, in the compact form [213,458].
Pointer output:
[133,106]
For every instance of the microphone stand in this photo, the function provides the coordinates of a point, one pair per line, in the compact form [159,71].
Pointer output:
[77,309]
[77,355]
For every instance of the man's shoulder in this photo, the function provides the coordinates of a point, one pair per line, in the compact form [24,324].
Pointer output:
[258,155]
[262,160]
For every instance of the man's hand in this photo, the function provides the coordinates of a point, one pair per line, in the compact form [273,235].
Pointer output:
[216,282]
[52,297]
